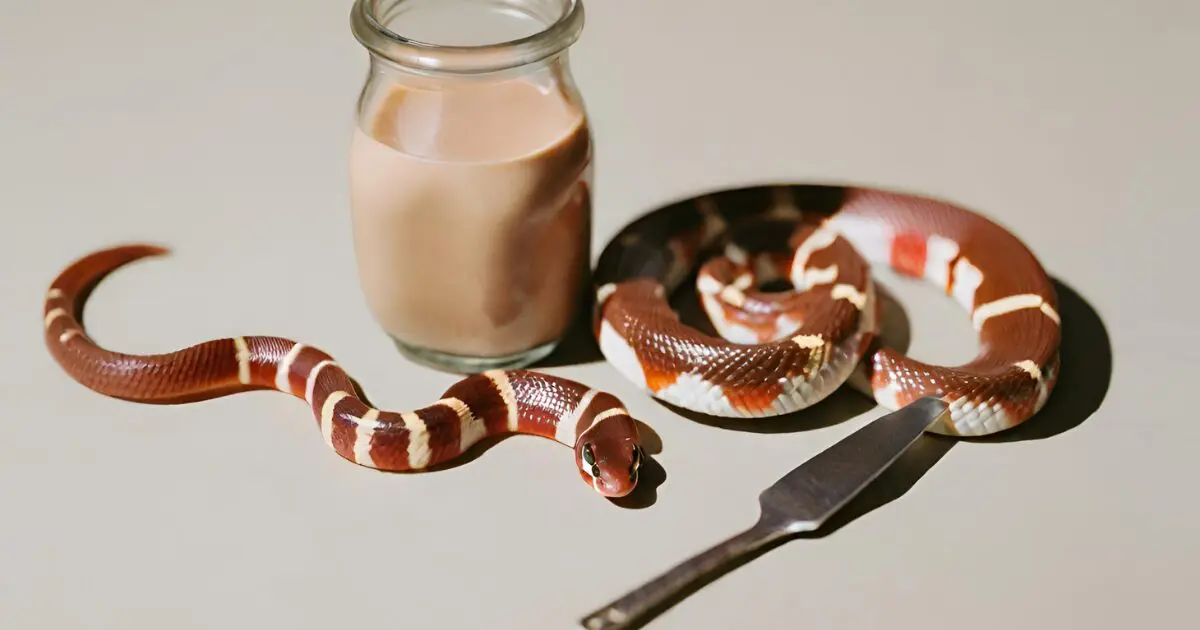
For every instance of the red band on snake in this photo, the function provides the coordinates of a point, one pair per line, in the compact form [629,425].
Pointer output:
[595,424]
[781,352]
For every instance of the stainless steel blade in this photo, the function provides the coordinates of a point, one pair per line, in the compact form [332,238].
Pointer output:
[814,491]
[800,501]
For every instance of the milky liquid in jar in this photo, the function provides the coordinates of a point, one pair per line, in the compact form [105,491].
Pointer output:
[471,183]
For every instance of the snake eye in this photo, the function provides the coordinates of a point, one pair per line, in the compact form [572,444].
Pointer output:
[588,455]
[595,470]
[637,455]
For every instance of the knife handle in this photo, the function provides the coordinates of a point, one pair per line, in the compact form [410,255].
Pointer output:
[632,607]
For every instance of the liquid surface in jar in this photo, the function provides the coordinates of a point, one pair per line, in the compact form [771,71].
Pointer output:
[471,214]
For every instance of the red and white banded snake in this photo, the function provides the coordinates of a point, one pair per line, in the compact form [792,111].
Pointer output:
[781,352]
[608,452]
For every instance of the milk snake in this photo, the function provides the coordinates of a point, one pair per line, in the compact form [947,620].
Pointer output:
[605,439]
[779,352]
[776,353]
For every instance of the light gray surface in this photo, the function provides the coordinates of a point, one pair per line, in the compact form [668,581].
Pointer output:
[220,129]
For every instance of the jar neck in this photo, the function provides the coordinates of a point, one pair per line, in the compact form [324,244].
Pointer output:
[379,26]
[552,74]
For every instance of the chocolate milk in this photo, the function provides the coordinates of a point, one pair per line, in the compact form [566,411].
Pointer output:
[471,214]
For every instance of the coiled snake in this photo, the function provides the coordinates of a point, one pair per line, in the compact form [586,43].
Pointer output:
[779,352]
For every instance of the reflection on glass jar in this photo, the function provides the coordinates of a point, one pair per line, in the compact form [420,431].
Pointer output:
[470,175]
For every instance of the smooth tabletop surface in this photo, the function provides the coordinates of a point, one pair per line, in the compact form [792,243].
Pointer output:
[221,130]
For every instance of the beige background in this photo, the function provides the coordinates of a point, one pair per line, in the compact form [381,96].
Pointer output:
[220,128]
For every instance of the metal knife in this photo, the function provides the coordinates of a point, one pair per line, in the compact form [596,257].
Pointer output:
[800,501]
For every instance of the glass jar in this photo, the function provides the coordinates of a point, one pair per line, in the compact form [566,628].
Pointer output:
[470,178]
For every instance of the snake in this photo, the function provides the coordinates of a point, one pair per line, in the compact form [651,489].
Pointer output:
[608,452]
[779,351]
[774,352]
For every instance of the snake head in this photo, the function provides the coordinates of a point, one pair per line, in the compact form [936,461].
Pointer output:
[609,456]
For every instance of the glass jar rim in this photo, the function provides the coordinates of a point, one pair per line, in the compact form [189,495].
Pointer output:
[465,59]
